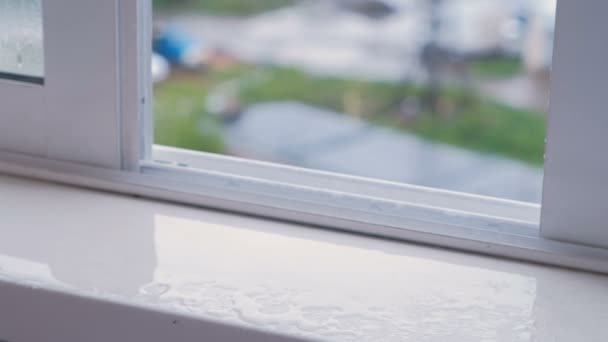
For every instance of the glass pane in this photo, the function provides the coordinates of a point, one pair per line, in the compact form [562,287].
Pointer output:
[21,40]
[448,94]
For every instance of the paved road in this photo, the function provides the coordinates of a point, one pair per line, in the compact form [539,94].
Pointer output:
[301,135]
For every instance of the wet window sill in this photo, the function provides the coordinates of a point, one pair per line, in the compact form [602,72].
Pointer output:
[132,258]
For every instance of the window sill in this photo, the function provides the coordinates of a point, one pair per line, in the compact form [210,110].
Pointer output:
[464,222]
[139,264]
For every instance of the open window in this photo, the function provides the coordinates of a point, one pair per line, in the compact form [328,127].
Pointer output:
[444,94]
[88,121]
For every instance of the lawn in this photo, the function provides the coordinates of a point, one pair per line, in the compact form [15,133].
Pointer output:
[503,67]
[223,7]
[180,116]
[477,124]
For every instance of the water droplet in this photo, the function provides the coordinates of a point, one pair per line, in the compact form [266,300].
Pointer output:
[155,290]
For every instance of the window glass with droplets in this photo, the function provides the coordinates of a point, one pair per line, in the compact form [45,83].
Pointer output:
[21,40]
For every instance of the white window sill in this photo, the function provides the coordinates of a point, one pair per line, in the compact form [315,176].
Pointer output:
[191,267]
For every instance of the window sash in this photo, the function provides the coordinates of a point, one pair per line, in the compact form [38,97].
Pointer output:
[576,168]
[80,91]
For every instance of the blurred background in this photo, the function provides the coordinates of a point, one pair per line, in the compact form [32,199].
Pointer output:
[450,94]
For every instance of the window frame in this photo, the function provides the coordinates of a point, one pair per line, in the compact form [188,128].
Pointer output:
[575,192]
[398,211]
[55,119]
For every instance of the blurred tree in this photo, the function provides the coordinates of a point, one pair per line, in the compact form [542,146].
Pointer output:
[433,57]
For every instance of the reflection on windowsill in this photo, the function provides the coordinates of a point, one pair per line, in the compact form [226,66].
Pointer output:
[279,276]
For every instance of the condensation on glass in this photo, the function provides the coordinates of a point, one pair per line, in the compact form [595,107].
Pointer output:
[21,40]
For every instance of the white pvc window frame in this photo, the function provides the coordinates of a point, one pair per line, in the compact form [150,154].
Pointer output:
[80,90]
[106,143]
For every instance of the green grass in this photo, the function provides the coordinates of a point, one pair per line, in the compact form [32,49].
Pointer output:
[487,127]
[180,116]
[475,123]
[504,67]
[282,84]
[479,124]
[223,7]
